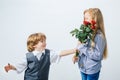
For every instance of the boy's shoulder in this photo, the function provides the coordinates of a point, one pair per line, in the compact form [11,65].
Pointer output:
[47,50]
[29,54]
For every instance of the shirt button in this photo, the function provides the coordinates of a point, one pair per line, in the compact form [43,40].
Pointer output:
[81,65]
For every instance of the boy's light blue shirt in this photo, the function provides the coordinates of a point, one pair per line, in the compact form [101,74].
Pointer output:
[90,59]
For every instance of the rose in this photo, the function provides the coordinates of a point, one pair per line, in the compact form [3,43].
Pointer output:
[86,23]
[85,32]
[93,24]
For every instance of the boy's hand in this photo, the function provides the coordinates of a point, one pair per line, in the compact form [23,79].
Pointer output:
[7,67]
[75,59]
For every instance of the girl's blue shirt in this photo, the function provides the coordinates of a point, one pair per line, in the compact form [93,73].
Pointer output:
[90,58]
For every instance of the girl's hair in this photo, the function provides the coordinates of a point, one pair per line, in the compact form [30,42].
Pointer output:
[33,39]
[97,16]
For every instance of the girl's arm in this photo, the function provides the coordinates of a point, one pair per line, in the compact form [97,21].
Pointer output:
[9,67]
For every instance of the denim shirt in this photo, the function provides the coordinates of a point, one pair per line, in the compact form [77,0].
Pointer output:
[90,59]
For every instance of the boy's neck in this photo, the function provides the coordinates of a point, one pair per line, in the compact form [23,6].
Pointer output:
[41,50]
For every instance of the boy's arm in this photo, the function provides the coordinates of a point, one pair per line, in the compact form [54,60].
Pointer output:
[9,67]
[67,52]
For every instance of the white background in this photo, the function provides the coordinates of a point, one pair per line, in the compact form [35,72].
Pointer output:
[55,18]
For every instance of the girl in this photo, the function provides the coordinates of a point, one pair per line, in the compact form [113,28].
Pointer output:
[89,59]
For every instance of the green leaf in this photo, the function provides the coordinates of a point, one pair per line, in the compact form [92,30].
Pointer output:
[87,29]
[82,34]
[90,36]
[82,27]
[77,54]
[74,31]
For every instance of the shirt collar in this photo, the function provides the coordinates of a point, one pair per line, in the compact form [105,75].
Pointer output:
[38,52]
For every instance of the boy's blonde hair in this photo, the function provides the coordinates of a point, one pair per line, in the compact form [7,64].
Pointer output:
[33,39]
[98,17]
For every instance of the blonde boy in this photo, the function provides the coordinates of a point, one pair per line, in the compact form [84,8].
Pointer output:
[38,59]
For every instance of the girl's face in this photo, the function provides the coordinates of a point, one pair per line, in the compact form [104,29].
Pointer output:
[40,46]
[87,17]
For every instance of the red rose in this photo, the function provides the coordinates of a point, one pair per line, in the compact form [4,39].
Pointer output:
[92,27]
[93,22]
[86,22]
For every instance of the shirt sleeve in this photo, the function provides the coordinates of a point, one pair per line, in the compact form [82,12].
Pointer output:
[21,65]
[95,53]
[54,56]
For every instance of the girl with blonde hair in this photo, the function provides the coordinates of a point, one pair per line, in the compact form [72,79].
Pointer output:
[90,60]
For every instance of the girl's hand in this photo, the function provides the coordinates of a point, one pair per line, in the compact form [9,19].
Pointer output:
[79,43]
[75,59]
[92,44]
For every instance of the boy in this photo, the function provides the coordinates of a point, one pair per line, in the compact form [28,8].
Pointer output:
[38,59]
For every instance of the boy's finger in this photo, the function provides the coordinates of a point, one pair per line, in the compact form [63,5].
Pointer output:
[8,64]
[6,68]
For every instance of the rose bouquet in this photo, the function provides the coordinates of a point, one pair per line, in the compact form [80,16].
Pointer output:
[85,32]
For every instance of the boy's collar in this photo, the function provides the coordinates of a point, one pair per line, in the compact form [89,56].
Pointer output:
[38,52]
